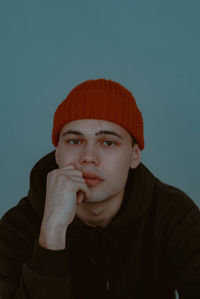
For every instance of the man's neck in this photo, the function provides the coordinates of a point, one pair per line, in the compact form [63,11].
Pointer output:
[100,213]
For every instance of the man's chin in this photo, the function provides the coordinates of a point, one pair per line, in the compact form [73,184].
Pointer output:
[93,200]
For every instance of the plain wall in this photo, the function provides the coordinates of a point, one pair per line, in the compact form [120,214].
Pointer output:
[151,47]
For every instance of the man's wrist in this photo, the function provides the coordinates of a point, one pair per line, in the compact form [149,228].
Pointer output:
[53,238]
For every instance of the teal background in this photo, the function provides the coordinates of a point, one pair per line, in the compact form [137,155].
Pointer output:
[151,47]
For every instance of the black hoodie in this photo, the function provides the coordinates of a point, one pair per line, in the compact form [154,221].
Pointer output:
[150,248]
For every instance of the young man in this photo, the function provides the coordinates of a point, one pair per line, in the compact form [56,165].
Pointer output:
[96,223]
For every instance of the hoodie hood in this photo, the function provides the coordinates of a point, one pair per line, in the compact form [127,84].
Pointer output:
[137,196]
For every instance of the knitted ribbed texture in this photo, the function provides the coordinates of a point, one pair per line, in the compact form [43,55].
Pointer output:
[100,99]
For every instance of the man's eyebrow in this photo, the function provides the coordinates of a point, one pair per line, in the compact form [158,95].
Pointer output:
[72,132]
[107,132]
[103,132]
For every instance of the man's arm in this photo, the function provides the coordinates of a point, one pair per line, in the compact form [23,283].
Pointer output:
[183,252]
[38,267]
[65,189]
[27,270]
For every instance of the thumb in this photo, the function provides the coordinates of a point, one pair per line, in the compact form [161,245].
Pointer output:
[80,197]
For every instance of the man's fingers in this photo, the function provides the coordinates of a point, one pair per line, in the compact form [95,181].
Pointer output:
[73,178]
[80,197]
[84,188]
[77,179]
[68,167]
[71,172]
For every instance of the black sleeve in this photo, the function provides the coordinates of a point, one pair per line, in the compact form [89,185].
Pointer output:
[45,276]
[182,249]
[28,271]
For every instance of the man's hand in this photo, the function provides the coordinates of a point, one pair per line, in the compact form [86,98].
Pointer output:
[65,189]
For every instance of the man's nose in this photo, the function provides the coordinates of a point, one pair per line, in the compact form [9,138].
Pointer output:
[89,155]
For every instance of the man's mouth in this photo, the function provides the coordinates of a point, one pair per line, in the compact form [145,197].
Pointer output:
[92,179]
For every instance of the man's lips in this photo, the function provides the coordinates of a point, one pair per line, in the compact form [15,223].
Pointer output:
[92,179]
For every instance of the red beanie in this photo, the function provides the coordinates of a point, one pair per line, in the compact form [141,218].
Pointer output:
[100,99]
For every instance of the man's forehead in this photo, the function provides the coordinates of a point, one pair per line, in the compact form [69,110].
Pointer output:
[93,127]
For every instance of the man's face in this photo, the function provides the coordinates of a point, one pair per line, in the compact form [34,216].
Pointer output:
[103,151]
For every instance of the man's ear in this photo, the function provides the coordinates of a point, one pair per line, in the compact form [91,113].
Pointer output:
[136,156]
[57,156]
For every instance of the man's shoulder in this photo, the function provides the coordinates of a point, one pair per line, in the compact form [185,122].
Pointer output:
[166,192]
[172,202]
[21,217]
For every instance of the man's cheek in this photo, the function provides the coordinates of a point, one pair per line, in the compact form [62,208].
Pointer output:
[66,159]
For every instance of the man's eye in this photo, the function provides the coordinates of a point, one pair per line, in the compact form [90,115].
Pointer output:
[74,141]
[109,143]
